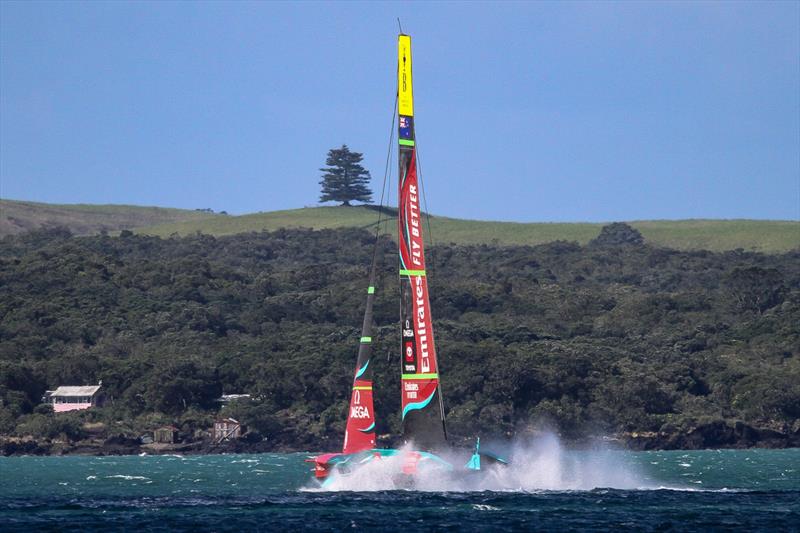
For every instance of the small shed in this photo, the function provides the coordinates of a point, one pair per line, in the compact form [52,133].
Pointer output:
[166,435]
[74,398]
[227,429]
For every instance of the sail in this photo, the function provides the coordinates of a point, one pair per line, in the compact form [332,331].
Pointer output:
[422,413]
[359,434]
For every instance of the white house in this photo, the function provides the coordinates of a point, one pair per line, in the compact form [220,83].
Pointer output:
[73,398]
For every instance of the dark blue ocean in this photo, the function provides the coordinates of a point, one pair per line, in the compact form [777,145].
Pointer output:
[550,489]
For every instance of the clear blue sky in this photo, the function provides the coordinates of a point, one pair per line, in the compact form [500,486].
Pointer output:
[525,111]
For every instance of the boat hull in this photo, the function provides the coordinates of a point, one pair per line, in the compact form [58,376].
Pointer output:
[404,468]
[406,464]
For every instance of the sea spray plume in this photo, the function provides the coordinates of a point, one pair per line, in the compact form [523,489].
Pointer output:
[538,464]
[544,463]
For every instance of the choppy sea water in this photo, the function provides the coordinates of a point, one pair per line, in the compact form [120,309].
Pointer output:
[549,489]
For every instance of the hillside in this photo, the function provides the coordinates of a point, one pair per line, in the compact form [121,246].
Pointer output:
[715,235]
[602,339]
[18,217]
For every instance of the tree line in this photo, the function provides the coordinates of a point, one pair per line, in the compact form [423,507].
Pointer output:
[610,337]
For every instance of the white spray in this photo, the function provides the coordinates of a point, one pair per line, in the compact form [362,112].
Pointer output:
[541,464]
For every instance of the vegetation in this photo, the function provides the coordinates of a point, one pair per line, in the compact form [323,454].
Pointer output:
[83,219]
[344,179]
[769,236]
[608,337]
[714,235]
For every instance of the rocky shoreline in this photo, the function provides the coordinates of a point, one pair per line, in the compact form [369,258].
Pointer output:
[121,445]
[714,435]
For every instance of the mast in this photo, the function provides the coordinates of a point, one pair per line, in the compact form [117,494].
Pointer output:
[359,435]
[422,411]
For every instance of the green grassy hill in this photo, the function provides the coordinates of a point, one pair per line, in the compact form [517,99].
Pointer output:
[715,235]
[83,219]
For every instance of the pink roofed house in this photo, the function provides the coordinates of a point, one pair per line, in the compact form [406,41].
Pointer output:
[74,398]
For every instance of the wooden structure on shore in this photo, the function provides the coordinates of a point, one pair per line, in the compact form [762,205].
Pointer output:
[226,429]
[166,435]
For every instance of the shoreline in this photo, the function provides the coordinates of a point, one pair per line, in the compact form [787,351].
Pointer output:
[713,436]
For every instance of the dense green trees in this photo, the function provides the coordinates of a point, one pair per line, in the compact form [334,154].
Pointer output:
[615,336]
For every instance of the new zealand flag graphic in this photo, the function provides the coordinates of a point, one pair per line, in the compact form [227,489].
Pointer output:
[405,127]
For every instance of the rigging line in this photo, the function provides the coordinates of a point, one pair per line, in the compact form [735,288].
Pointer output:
[425,204]
[374,264]
[386,173]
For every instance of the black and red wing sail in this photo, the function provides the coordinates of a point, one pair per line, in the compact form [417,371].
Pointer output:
[422,414]
[359,434]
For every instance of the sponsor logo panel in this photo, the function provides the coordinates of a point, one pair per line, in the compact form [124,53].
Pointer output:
[417,390]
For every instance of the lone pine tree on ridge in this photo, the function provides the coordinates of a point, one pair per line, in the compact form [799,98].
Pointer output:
[344,179]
